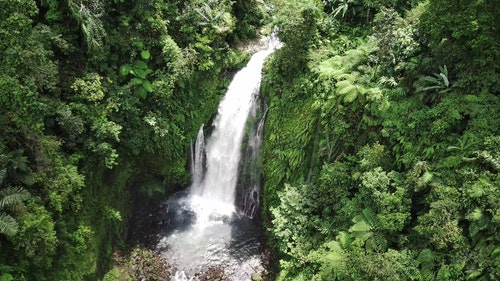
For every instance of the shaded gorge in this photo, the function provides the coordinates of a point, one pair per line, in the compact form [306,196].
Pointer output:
[210,225]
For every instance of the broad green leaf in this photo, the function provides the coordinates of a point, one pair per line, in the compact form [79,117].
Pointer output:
[125,69]
[147,86]
[361,226]
[136,81]
[140,64]
[141,73]
[145,54]
[141,92]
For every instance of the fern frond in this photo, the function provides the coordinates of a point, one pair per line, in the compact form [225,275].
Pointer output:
[8,225]
[342,84]
[12,196]
[427,275]
[330,68]
[345,239]
[350,77]
[425,179]
[495,254]
[444,273]
[351,95]
[475,215]
[427,256]
[376,243]
[370,217]
[347,89]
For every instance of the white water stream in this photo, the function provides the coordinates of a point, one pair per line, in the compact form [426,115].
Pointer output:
[203,229]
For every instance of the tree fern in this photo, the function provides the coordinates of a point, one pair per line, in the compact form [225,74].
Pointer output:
[495,256]
[478,222]
[347,90]
[11,199]
[214,14]
[425,179]
[365,229]
[427,275]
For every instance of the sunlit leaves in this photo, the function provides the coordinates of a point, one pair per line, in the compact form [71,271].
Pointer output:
[214,14]
[139,71]
[145,54]
[89,88]
[390,198]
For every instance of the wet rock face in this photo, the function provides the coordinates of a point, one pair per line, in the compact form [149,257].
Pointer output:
[254,45]
[147,217]
[213,274]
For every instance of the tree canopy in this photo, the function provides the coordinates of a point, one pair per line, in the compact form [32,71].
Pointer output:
[381,148]
[99,101]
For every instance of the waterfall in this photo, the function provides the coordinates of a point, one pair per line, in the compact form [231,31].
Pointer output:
[201,230]
[215,193]
[198,158]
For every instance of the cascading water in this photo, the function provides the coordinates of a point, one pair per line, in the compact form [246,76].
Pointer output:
[249,179]
[198,158]
[203,229]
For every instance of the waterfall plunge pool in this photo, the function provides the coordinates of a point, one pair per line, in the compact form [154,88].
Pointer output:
[225,241]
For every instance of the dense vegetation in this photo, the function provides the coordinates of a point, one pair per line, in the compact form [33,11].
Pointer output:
[98,102]
[382,146]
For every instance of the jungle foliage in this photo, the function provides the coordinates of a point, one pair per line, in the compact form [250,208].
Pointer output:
[381,153]
[99,101]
